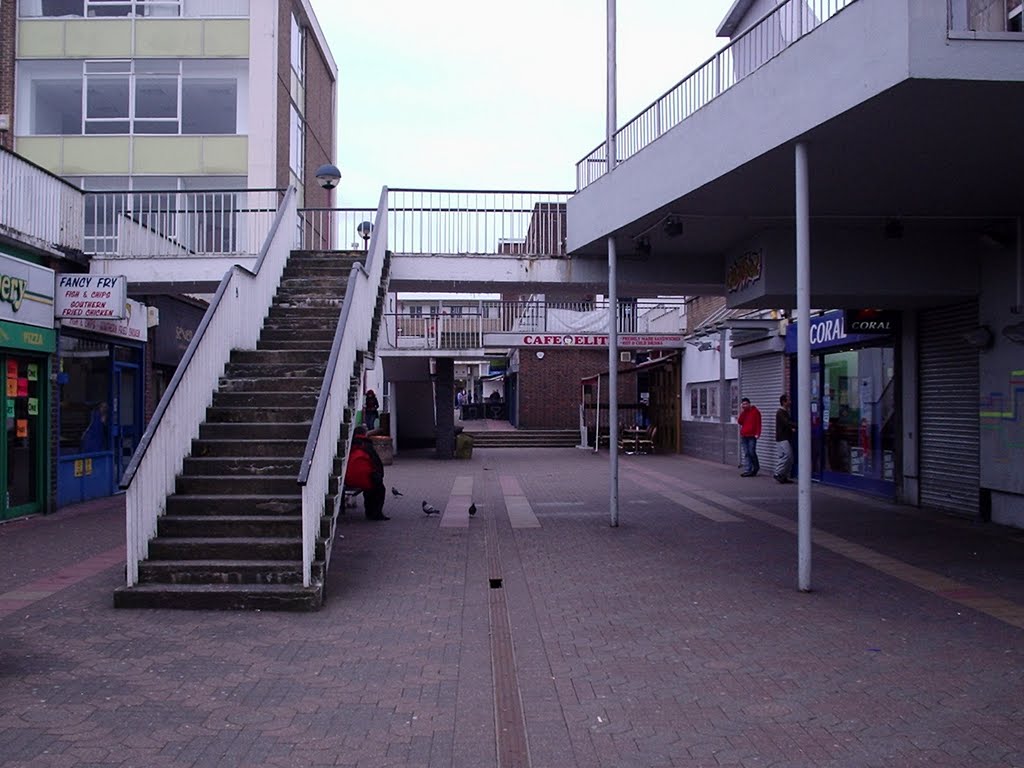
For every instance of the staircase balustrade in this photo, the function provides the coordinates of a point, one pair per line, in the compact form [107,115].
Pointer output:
[232,321]
[351,339]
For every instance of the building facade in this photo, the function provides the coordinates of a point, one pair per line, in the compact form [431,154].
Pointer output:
[155,106]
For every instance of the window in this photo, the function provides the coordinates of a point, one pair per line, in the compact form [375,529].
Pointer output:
[456,310]
[416,311]
[100,9]
[297,47]
[705,403]
[296,143]
[144,96]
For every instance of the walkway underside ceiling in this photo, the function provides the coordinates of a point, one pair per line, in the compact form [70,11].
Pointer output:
[931,150]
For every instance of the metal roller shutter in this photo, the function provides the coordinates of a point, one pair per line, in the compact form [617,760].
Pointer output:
[949,433]
[761,379]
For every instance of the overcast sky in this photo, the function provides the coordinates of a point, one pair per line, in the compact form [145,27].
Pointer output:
[495,94]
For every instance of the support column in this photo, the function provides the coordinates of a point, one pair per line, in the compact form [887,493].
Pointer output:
[613,294]
[803,366]
[444,407]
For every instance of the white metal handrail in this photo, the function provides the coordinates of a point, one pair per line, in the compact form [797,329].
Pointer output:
[455,325]
[38,208]
[449,221]
[762,41]
[351,337]
[232,321]
[132,224]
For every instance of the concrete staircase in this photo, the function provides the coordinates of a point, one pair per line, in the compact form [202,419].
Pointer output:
[524,438]
[232,533]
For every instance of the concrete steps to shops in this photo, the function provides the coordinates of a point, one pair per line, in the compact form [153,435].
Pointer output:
[231,537]
[524,438]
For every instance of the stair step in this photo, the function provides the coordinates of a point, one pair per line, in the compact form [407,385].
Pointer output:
[277,399]
[229,526]
[283,334]
[248,466]
[322,346]
[234,504]
[264,597]
[278,414]
[220,572]
[268,430]
[203,485]
[225,448]
[226,548]
[275,356]
[271,384]
[276,370]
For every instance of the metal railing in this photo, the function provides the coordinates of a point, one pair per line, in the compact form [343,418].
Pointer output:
[441,221]
[997,18]
[351,337]
[762,41]
[450,325]
[232,321]
[131,224]
[39,208]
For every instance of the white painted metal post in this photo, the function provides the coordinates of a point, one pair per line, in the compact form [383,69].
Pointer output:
[613,294]
[803,367]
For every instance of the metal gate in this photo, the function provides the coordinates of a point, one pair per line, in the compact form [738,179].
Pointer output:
[761,379]
[948,429]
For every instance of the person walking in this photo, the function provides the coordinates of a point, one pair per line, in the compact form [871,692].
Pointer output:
[749,420]
[371,408]
[785,429]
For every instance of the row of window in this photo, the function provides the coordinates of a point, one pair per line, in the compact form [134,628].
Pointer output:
[141,96]
[704,400]
[29,9]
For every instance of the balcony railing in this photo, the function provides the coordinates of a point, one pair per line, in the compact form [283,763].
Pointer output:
[161,223]
[38,208]
[762,41]
[453,326]
[439,221]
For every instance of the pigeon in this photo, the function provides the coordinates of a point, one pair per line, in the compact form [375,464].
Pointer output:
[472,509]
[396,492]
[430,510]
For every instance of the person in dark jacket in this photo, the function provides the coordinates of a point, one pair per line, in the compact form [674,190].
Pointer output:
[365,471]
[785,429]
[371,409]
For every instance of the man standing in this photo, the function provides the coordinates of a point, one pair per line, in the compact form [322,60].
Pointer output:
[784,430]
[749,420]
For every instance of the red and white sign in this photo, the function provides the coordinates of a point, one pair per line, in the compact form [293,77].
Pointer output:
[90,296]
[133,327]
[626,340]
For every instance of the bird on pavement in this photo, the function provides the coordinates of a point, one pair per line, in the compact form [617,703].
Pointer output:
[430,510]
[472,509]
[396,492]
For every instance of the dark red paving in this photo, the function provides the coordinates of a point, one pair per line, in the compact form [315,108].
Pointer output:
[672,640]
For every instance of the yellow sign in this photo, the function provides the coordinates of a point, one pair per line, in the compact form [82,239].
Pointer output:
[88,466]
[78,467]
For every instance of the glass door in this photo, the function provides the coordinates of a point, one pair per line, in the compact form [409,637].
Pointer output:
[127,422]
[25,411]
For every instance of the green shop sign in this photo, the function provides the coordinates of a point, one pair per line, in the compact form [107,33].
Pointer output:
[17,336]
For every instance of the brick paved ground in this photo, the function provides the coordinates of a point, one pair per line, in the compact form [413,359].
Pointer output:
[676,639]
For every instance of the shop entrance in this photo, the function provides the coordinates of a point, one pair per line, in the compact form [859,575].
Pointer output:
[854,424]
[127,416]
[25,409]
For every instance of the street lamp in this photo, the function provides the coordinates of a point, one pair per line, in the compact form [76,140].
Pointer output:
[328,175]
[364,230]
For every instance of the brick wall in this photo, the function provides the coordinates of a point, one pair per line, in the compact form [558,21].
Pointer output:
[284,84]
[320,125]
[549,389]
[8,27]
[700,308]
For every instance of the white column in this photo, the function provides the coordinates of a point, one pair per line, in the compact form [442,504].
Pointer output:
[803,366]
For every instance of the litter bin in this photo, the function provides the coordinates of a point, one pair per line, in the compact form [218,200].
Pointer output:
[463,446]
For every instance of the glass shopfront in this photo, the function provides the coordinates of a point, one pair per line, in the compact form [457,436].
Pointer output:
[854,419]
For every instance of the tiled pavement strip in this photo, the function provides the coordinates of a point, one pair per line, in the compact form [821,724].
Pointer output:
[676,639]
